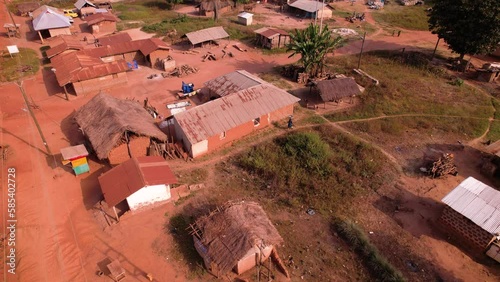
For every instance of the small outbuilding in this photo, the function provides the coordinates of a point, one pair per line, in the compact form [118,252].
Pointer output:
[102,22]
[117,129]
[310,9]
[85,7]
[271,38]
[49,22]
[24,9]
[208,8]
[334,90]
[245,18]
[236,237]
[473,212]
[211,34]
[140,181]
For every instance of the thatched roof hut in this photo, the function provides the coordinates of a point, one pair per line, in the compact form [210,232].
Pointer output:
[235,236]
[109,122]
[338,88]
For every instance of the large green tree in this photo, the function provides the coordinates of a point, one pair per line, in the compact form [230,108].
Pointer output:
[467,26]
[313,44]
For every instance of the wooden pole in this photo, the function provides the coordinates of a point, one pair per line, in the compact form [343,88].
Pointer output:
[435,48]
[66,92]
[41,37]
[361,51]
[116,214]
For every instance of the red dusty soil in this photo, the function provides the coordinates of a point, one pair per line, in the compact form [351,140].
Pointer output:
[58,238]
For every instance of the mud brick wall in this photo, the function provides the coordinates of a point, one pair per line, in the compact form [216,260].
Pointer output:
[468,230]
[95,85]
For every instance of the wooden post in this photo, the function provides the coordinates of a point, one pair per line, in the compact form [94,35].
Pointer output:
[361,51]
[41,37]
[116,214]
[435,48]
[66,92]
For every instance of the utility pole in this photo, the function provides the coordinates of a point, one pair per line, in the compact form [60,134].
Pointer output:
[361,51]
[435,48]
[12,19]
[20,85]
[321,22]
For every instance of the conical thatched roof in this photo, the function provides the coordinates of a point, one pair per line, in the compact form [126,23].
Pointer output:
[105,119]
[229,233]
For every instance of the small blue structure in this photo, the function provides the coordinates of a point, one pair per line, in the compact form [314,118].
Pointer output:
[187,87]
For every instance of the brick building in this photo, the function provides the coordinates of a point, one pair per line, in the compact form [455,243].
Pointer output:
[473,212]
[102,22]
[117,129]
[239,112]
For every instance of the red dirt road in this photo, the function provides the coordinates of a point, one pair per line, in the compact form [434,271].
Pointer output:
[57,236]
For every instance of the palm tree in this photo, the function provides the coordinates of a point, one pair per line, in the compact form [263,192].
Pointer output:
[313,44]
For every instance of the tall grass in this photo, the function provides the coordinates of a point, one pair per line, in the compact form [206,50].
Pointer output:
[25,63]
[376,263]
[320,168]
[414,87]
[407,17]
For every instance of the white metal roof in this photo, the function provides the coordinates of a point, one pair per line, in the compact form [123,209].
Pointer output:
[207,34]
[310,6]
[478,202]
[49,18]
[80,3]
[245,15]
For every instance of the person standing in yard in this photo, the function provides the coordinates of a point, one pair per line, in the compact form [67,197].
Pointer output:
[399,33]
[290,122]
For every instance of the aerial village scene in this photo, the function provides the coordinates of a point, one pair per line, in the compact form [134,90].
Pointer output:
[272,140]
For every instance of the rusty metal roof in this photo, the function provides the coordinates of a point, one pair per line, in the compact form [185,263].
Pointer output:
[222,114]
[130,176]
[62,43]
[233,82]
[100,17]
[310,6]
[335,89]
[145,46]
[74,67]
[271,32]
[116,38]
[207,34]
[478,202]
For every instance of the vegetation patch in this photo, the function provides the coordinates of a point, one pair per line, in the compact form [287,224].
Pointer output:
[276,79]
[414,87]
[20,65]
[494,132]
[407,17]
[319,168]
[376,263]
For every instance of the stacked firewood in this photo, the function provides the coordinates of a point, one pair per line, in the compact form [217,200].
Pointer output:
[181,71]
[302,77]
[443,166]
[209,56]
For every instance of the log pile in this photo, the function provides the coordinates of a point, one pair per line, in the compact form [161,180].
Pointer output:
[169,150]
[224,53]
[443,166]
[181,71]
[209,56]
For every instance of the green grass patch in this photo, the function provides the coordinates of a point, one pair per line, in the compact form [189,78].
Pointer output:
[376,263]
[407,17]
[398,126]
[21,65]
[276,79]
[194,176]
[146,11]
[413,87]
[494,133]
[320,168]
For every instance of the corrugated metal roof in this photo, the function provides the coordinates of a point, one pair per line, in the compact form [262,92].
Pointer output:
[308,5]
[49,18]
[245,15]
[72,152]
[222,114]
[335,89]
[207,34]
[130,176]
[62,43]
[146,46]
[271,32]
[100,17]
[478,202]
[81,3]
[233,82]
[74,67]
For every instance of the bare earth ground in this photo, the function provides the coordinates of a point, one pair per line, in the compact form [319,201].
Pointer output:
[60,238]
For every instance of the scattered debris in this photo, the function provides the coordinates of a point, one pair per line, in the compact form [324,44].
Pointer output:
[4,152]
[362,73]
[239,48]
[310,211]
[151,110]
[209,56]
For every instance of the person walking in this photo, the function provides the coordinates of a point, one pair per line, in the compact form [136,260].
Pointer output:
[399,33]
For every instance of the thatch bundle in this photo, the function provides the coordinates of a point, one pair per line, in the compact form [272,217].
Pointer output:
[232,230]
[105,120]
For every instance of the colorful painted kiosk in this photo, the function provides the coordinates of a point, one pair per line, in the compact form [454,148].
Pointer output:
[76,156]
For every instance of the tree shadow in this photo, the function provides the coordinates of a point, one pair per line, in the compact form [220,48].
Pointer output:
[51,84]
[162,5]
